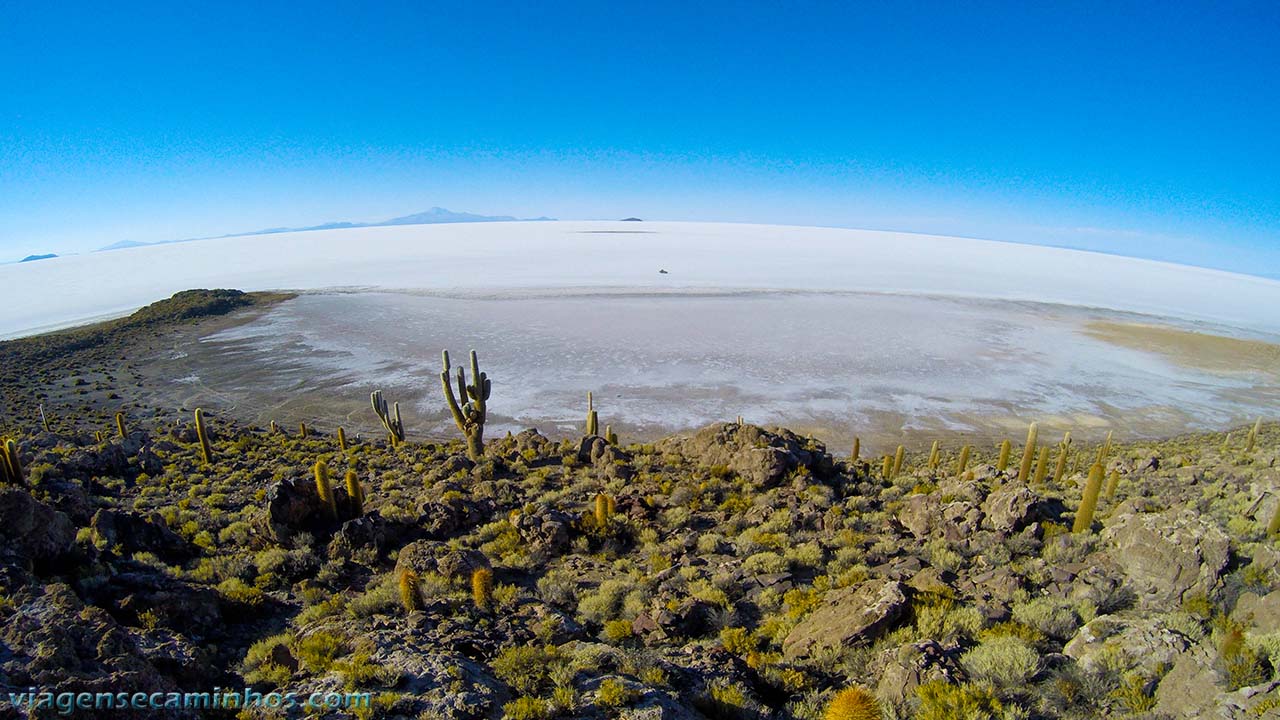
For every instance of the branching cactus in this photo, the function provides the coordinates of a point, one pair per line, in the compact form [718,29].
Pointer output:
[205,448]
[469,416]
[391,418]
[1084,514]
[1105,450]
[1028,453]
[1252,440]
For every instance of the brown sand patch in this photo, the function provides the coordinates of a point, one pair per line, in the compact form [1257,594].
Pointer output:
[1214,353]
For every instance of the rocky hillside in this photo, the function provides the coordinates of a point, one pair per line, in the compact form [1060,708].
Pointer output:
[739,572]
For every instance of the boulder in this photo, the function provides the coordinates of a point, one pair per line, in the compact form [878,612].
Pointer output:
[31,531]
[135,532]
[1190,689]
[546,530]
[762,457]
[1010,508]
[848,616]
[1170,555]
[1259,611]
[913,664]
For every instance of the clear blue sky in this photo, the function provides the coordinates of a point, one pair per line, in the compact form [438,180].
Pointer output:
[1148,129]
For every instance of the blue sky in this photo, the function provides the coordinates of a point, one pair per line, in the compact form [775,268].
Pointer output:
[1139,128]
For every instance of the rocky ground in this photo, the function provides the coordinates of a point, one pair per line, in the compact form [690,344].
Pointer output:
[739,572]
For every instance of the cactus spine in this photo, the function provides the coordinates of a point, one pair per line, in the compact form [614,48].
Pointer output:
[593,420]
[898,456]
[342,440]
[1252,440]
[355,492]
[1063,451]
[1089,503]
[962,463]
[1003,463]
[1028,453]
[934,456]
[205,448]
[482,587]
[324,489]
[410,594]
[120,425]
[390,418]
[471,415]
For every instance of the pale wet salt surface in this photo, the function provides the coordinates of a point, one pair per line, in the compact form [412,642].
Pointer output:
[831,364]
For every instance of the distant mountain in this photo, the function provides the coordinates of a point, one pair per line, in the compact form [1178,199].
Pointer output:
[436,215]
[31,258]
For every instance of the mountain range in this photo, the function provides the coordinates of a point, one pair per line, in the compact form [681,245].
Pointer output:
[433,216]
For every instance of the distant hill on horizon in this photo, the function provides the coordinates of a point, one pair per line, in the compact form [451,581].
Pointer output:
[435,215]
[33,258]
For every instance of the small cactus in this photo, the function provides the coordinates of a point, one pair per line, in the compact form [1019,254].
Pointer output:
[604,509]
[302,430]
[853,703]
[482,587]
[1089,503]
[962,463]
[120,425]
[205,448]
[1002,464]
[275,429]
[898,456]
[610,436]
[1273,527]
[390,417]
[324,489]
[1028,453]
[934,455]
[857,449]
[342,440]
[355,492]
[410,592]
[886,467]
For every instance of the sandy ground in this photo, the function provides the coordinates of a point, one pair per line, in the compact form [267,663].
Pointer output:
[1214,353]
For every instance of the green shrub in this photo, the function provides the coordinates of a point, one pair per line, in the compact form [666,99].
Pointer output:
[1004,661]
[940,700]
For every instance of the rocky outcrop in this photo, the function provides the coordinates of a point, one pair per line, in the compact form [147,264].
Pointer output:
[32,532]
[763,457]
[1168,555]
[848,616]
[1009,508]
[133,532]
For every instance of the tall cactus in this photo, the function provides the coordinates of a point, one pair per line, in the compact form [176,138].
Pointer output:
[934,456]
[355,492]
[1089,503]
[342,440]
[390,418]
[120,425]
[471,415]
[1252,439]
[1105,450]
[898,456]
[205,448]
[593,420]
[962,463]
[1002,463]
[324,489]
[10,463]
[1028,453]
[857,450]
[1064,449]
[1042,466]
